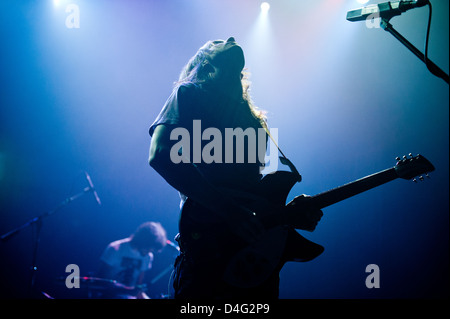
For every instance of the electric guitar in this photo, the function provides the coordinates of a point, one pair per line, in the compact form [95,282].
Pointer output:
[250,265]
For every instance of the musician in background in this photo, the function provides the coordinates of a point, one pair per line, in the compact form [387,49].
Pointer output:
[213,88]
[126,260]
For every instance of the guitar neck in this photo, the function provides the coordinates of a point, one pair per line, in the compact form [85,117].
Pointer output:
[340,193]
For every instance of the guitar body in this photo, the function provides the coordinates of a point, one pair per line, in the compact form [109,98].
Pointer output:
[249,265]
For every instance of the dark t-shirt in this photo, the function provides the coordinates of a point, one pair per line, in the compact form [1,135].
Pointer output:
[189,103]
[207,245]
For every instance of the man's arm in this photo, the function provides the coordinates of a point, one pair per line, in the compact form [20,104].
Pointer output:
[141,294]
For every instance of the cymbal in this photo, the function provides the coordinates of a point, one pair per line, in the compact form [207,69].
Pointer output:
[95,283]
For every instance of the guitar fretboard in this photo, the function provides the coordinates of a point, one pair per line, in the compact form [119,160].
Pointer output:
[340,193]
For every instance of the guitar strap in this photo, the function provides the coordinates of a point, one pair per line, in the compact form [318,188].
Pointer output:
[283,159]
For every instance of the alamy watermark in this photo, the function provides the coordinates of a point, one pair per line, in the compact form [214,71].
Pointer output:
[224,148]
[72,10]
[73,17]
[73,279]
[373,279]
[373,20]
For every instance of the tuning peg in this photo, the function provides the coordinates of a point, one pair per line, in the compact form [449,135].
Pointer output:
[421,178]
[410,155]
[428,176]
[404,157]
[397,158]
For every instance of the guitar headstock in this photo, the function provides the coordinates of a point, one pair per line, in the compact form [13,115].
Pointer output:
[412,166]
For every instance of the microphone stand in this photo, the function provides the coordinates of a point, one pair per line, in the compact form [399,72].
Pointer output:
[434,69]
[37,223]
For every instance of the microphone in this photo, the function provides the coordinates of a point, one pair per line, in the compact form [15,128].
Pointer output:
[386,10]
[171,244]
[92,188]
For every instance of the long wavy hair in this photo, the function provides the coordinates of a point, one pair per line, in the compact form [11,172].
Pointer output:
[194,72]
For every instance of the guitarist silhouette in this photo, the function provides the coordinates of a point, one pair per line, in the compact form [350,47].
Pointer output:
[235,230]
[215,223]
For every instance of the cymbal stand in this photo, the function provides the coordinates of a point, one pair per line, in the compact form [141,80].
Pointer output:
[36,223]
